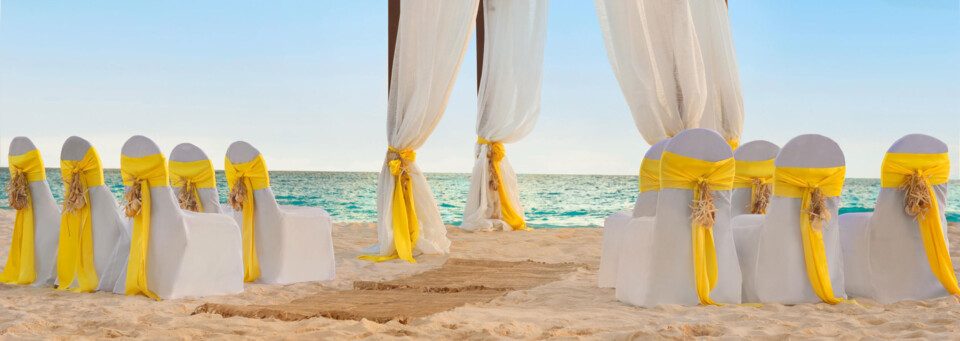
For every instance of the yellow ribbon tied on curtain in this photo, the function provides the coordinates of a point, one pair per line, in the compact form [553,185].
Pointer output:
[508,210]
[678,171]
[649,175]
[24,169]
[915,175]
[734,144]
[188,177]
[139,175]
[813,186]
[243,179]
[75,248]
[758,176]
[406,227]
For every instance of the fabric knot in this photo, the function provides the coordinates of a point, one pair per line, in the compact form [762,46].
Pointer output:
[399,158]
[133,198]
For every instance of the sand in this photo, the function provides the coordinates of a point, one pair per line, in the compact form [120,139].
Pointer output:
[570,308]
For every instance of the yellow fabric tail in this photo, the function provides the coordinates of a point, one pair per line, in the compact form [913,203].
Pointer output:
[21,266]
[75,249]
[804,183]
[252,176]
[678,171]
[196,174]
[141,174]
[507,209]
[649,175]
[932,170]
[406,227]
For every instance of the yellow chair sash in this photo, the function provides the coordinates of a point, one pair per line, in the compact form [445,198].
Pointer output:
[508,210]
[194,174]
[932,170]
[145,172]
[753,174]
[649,175]
[75,247]
[406,227]
[810,184]
[252,175]
[678,171]
[21,268]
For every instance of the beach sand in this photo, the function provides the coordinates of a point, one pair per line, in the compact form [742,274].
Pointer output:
[571,308]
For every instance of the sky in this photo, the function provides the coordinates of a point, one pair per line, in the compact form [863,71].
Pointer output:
[305,81]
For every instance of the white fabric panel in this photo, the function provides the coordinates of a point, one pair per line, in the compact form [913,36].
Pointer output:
[615,225]
[662,271]
[294,244]
[758,150]
[508,101]
[723,111]
[431,40]
[46,220]
[653,49]
[781,274]
[189,254]
[884,255]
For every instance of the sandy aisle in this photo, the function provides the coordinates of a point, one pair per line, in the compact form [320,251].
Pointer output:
[573,307]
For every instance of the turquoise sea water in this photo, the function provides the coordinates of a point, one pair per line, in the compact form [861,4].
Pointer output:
[549,200]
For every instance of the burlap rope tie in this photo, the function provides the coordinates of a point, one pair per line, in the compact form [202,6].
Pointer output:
[704,210]
[761,196]
[75,198]
[133,202]
[494,184]
[185,197]
[18,190]
[819,215]
[916,195]
[238,195]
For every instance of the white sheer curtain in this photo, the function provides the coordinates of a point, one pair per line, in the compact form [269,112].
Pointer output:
[724,99]
[431,41]
[653,49]
[508,104]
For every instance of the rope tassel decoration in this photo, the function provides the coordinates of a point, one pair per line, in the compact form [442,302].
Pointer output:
[133,200]
[186,199]
[18,191]
[704,209]
[916,195]
[760,196]
[818,212]
[238,194]
[75,198]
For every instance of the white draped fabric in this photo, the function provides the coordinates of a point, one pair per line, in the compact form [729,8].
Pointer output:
[431,41]
[654,51]
[508,101]
[724,99]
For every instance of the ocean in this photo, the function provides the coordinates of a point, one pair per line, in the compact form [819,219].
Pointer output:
[549,200]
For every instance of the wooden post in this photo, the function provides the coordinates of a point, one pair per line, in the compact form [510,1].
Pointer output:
[393,24]
[480,25]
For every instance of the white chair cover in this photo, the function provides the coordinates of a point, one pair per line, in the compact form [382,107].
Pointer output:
[111,237]
[781,274]
[656,260]
[751,151]
[294,244]
[190,254]
[883,253]
[209,197]
[46,220]
[508,102]
[614,225]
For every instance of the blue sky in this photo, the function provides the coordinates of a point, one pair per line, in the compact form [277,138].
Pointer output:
[305,81]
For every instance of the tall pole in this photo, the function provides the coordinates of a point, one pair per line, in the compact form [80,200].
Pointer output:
[480,24]
[393,24]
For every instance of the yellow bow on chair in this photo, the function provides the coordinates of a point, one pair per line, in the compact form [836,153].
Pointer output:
[507,209]
[139,175]
[187,177]
[678,171]
[915,175]
[813,186]
[24,169]
[758,176]
[75,249]
[243,179]
[649,175]
[406,227]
